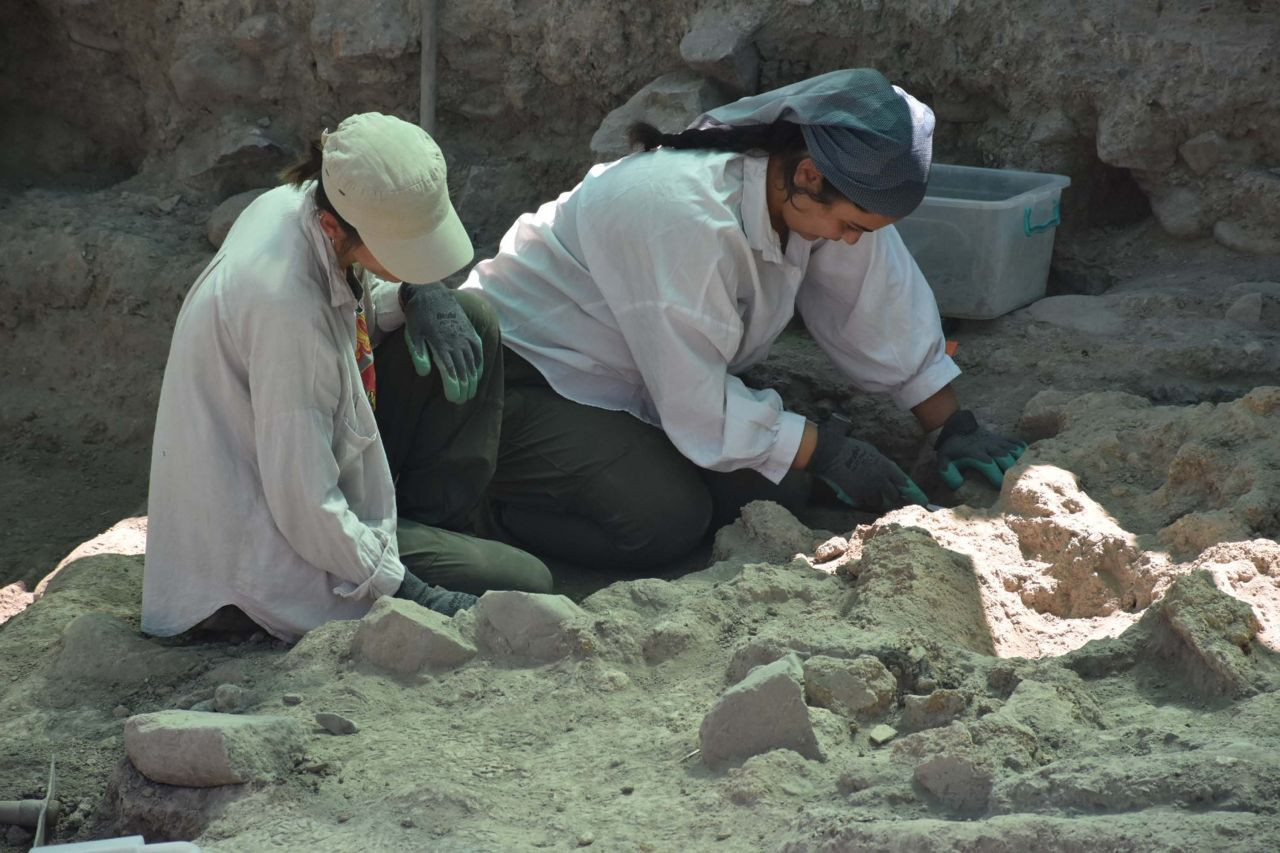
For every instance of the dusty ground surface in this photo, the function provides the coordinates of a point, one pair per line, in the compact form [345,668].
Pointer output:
[1153,457]
[1084,661]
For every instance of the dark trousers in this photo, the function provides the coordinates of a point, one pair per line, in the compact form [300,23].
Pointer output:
[442,456]
[602,489]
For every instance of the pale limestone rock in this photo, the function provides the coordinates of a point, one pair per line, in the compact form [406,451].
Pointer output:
[762,712]
[859,689]
[530,628]
[200,750]
[937,709]
[406,638]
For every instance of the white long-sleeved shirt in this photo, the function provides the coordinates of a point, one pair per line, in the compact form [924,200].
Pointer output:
[270,488]
[649,286]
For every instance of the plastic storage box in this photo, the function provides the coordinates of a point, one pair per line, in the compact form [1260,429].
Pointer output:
[984,237]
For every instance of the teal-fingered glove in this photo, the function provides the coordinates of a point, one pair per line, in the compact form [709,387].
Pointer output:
[861,475]
[963,445]
[436,325]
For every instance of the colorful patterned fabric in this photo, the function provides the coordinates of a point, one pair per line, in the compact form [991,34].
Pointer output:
[364,358]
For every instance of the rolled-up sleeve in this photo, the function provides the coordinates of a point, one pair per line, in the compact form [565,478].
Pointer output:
[871,310]
[673,302]
[294,382]
[384,301]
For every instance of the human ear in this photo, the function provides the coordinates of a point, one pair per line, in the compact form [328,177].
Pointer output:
[329,225]
[807,175]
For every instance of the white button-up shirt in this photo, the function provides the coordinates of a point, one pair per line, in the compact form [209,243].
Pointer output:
[653,283]
[270,489]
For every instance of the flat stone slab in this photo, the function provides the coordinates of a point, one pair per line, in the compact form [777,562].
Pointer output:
[200,750]
[764,711]
[405,638]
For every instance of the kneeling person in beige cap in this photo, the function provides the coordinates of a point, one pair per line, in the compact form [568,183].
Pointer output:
[309,456]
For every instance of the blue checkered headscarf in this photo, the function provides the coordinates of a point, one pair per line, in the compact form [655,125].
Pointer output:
[870,139]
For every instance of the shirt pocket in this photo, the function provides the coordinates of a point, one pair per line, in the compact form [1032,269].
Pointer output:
[355,427]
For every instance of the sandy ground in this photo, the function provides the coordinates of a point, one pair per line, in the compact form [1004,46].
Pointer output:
[1086,660]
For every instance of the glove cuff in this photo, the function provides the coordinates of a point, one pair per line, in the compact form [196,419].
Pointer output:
[961,422]
[831,434]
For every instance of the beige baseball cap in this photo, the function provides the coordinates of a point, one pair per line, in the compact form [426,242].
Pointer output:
[386,177]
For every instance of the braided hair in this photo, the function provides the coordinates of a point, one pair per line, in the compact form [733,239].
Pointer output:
[783,139]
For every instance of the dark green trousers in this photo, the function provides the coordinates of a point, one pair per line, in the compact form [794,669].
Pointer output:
[442,456]
[602,489]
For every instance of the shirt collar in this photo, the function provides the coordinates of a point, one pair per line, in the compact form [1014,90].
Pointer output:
[340,292]
[755,210]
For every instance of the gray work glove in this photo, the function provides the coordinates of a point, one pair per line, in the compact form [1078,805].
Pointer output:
[861,475]
[963,444]
[434,598]
[436,325]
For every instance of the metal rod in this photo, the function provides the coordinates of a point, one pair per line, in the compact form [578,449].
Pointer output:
[430,10]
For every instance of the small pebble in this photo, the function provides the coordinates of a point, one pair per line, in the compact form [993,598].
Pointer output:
[832,549]
[586,839]
[343,817]
[336,723]
[408,823]
[881,734]
[291,698]
[206,705]
[628,790]
[120,712]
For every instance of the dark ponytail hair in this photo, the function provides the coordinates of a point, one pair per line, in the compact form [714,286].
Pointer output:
[783,139]
[307,168]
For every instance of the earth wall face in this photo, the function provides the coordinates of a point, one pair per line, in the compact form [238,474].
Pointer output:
[1172,108]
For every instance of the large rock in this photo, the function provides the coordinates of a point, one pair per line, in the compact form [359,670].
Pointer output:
[1248,239]
[208,76]
[530,628]
[405,638]
[232,156]
[1209,638]
[959,783]
[669,103]
[861,688]
[720,46]
[366,43]
[764,711]
[200,750]
[937,709]
[764,532]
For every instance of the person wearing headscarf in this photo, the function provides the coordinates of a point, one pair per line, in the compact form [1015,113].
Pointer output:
[631,304]
[325,427]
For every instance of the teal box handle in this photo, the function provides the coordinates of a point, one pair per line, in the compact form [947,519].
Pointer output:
[1054,219]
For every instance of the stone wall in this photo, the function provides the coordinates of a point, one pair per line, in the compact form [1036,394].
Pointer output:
[1170,107]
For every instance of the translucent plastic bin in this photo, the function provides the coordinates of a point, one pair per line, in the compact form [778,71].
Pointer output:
[984,237]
